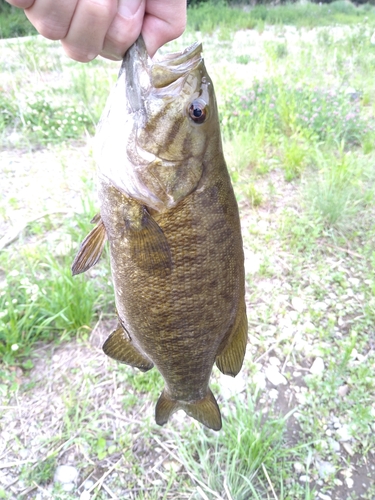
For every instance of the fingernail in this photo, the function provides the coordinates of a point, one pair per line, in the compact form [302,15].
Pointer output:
[127,8]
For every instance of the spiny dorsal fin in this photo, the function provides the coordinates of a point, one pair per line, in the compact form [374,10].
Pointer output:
[230,360]
[119,347]
[205,410]
[149,246]
[90,250]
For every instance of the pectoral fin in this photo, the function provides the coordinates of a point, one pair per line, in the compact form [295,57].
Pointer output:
[119,347]
[230,359]
[90,250]
[148,245]
[205,410]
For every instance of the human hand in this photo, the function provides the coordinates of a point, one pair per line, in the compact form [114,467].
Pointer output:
[88,28]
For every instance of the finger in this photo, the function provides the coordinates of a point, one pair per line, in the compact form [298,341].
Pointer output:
[164,21]
[51,19]
[124,30]
[90,23]
[21,4]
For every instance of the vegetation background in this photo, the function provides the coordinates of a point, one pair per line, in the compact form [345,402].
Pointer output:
[295,86]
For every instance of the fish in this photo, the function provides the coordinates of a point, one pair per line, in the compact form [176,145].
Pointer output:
[169,213]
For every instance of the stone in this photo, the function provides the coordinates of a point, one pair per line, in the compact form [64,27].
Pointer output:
[273,360]
[298,467]
[334,445]
[343,433]
[317,368]
[326,469]
[298,304]
[322,496]
[304,479]
[349,482]
[88,484]
[259,380]
[343,390]
[274,376]
[273,394]
[65,474]
[348,448]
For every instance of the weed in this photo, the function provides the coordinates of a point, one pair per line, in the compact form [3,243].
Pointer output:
[13,22]
[276,50]
[337,192]
[39,298]
[294,158]
[41,473]
[328,115]
[243,59]
[47,121]
[236,459]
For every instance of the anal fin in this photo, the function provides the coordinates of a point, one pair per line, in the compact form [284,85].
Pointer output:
[205,410]
[91,248]
[119,347]
[230,360]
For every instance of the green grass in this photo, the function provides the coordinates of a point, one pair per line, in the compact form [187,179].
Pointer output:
[39,296]
[239,459]
[300,149]
[13,22]
[209,16]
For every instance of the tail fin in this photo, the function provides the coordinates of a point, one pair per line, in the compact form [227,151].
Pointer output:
[205,410]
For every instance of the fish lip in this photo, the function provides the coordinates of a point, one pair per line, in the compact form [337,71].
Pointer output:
[191,53]
[142,74]
[136,66]
[175,66]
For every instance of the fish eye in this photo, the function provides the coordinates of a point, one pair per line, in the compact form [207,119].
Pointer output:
[198,111]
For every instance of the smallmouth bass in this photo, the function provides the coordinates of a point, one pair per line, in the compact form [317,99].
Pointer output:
[170,215]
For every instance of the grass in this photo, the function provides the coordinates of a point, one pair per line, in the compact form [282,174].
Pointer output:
[38,296]
[299,141]
[13,22]
[209,16]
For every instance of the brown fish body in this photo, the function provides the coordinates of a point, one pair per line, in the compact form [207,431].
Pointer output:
[177,260]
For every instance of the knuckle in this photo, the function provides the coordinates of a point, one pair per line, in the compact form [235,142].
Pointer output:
[51,30]
[104,8]
[77,54]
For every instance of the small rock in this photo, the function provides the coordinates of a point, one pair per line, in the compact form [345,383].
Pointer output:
[230,386]
[298,304]
[349,482]
[335,446]
[317,368]
[171,465]
[298,467]
[304,479]
[322,496]
[274,376]
[273,394]
[273,360]
[89,483]
[343,433]
[343,390]
[68,486]
[65,474]
[349,450]
[326,469]
[259,380]
[85,495]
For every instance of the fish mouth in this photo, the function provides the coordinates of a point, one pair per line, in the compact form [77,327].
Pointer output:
[142,73]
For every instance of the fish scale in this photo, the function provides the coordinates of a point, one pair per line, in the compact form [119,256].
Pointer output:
[172,222]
